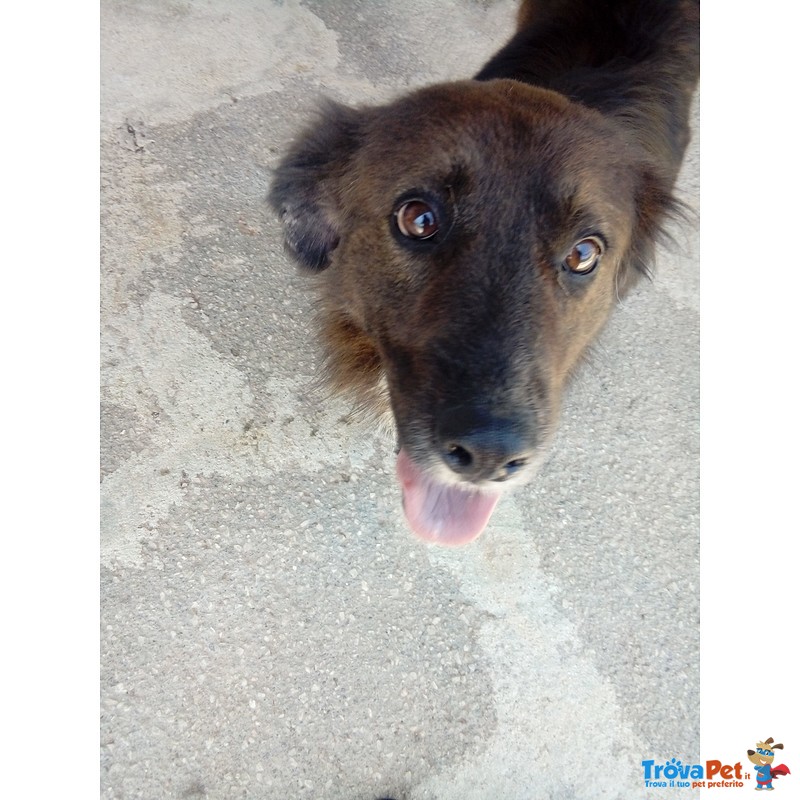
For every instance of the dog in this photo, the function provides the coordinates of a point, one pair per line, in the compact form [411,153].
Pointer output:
[763,758]
[470,239]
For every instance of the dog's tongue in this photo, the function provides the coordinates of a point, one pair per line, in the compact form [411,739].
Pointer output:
[441,513]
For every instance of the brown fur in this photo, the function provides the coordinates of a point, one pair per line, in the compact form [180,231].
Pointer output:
[477,330]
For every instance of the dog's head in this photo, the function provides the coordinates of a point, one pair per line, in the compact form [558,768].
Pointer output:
[764,753]
[471,239]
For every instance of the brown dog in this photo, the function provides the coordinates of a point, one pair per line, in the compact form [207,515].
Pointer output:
[471,237]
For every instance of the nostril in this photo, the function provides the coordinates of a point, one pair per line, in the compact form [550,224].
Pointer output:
[458,457]
[515,465]
[509,468]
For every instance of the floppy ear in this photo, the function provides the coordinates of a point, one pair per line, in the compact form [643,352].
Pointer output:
[304,185]
[655,205]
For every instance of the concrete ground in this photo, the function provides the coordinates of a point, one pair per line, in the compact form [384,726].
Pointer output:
[270,629]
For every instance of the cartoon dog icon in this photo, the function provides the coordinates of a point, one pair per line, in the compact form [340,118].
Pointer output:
[762,757]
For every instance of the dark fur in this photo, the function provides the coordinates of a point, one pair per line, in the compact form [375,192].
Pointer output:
[576,127]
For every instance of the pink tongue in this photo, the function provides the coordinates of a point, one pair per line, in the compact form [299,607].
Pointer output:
[442,513]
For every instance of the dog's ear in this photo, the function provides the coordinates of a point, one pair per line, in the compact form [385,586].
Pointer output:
[305,184]
[655,205]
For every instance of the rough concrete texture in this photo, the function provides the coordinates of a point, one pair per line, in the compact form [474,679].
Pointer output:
[270,629]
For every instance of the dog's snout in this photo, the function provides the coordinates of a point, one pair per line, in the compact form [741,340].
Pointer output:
[480,447]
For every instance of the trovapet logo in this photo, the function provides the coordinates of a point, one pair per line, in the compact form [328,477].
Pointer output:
[677,775]
[762,757]
[716,774]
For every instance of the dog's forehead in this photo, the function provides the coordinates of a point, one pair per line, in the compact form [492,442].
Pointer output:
[489,131]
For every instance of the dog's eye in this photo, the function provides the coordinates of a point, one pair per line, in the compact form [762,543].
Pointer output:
[584,256]
[417,220]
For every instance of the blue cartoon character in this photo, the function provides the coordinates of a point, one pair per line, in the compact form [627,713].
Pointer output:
[762,757]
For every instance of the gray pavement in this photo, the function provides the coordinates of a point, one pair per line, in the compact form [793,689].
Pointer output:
[270,629]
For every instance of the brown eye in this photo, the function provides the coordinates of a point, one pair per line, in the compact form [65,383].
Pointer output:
[584,256]
[417,220]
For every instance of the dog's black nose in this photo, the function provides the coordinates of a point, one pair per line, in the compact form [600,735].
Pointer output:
[479,446]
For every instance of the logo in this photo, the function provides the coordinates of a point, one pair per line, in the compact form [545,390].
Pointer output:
[762,757]
[677,775]
[716,774]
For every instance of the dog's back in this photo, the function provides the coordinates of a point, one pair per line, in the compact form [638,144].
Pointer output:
[637,59]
